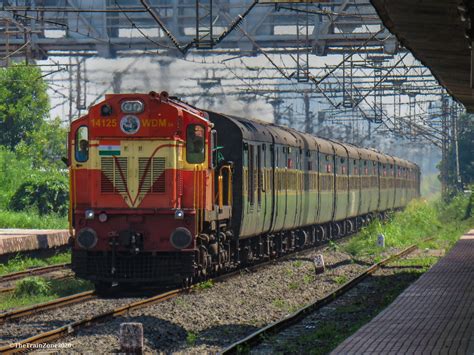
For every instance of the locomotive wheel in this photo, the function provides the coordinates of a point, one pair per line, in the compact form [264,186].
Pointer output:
[103,288]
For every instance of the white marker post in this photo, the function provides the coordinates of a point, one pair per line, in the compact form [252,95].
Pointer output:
[381,241]
[131,338]
[319,264]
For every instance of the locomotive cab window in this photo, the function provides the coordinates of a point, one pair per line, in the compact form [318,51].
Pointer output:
[195,140]
[82,144]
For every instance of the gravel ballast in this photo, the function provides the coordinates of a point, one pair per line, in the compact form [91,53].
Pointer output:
[208,320]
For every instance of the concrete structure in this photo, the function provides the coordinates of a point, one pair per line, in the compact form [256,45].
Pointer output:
[25,240]
[434,315]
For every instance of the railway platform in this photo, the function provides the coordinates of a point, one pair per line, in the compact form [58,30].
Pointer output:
[434,315]
[14,241]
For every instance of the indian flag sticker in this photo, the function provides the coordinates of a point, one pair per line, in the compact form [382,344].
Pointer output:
[109,148]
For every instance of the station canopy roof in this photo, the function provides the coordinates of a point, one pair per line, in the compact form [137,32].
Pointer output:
[433,31]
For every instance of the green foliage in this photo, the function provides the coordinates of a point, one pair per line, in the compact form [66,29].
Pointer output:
[56,289]
[31,220]
[333,246]
[340,280]
[420,220]
[24,103]
[191,338]
[205,285]
[21,263]
[293,285]
[307,279]
[44,193]
[297,263]
[466,154]
[456,209]
[32,286]
[13,171]
[45,146]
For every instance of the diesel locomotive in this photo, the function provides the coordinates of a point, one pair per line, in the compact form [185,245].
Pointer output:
[164,193]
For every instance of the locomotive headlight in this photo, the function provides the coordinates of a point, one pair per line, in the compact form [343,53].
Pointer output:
[179,214]
[103,217]
[132,106]
[87,238]
[89,214]
[181,238]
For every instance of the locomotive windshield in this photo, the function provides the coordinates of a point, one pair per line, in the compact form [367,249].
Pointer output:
[82,145]
[195,144]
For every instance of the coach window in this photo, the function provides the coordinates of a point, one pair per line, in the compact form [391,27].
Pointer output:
[82,144]
[195,144]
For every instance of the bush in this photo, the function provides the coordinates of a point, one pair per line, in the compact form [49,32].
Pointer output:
[46,194]
[32,286]
[13,171]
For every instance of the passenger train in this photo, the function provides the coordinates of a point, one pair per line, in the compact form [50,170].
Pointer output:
[165,193]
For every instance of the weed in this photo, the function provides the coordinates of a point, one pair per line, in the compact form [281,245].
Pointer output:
[180,302]
[333,246]
[205,285]
[307,279]
[191,338]
[20,263]
[340,280]
[279,303]
[297,263]
[293,285]
[34,292]
[32,286]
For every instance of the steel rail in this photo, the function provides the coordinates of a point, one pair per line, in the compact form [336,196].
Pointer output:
[12,288]
[273,328]
[33,271]
[57,303]
[68,329]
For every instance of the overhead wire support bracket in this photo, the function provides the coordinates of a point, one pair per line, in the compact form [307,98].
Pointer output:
[235,23]
[154,15]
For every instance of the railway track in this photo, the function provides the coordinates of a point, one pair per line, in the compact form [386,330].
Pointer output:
[67,329]
[278,326]
[34,271]
[60,302]
[10,288]
[8,279]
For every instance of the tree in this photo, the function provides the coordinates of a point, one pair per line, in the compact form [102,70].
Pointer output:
[45,146]
[466,148]
[466,155]
[24,103]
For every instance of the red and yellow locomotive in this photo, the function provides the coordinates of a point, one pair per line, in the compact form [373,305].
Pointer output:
[142,184]
[155,199]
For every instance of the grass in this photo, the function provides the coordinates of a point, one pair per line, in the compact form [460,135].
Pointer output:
[420,220]
[191,338]
[31,220]
[205,285]
[340,280]
[20,263]
[297,263]
[37,290]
